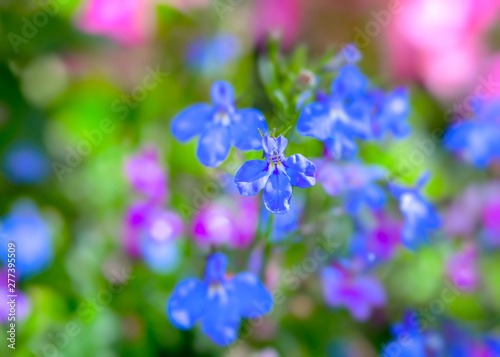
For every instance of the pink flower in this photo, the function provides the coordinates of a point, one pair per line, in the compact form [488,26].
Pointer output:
[124,21]
[276,16]
[231,222]
[462,268]
[146,175]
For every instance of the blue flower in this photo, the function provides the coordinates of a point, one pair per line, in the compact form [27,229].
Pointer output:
[341,117]
[420,216]
[285,224]
[392,111]
[218,302]
[25,163]
[478,141]
[32,237]
[219,126]
[275,175]
[355,181]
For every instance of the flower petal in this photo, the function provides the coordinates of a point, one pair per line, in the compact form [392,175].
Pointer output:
[252,297]
[252,177]
[244,131]
[341,147]
[160,256]
[216,268]
[278,192]
[187,303]
[214,146]
[350,82]
[192,121]
[221,320]
[316,121]
[222,94]
[301,171]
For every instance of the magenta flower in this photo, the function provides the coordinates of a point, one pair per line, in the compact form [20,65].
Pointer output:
[462,268]
[231,221]
[124,21]
[359,293]
[146,175]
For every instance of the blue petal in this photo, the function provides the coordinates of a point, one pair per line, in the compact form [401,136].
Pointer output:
[187,303]
[374,196]
[301,171]
[281,144]
[341,147]
[221,320]
[316,121]
[192,121]
[244,129]
[214,146]
[216,268]
[360,118]
[350,82]
[222,94]
[161,256]
[268,144]
[252,297]
[278,193]
[252,177]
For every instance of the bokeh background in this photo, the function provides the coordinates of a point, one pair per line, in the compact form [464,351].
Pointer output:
[87,85]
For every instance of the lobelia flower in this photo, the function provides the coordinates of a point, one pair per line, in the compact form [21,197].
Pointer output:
[358,292]
[354,181]
[420,216]
[219,302]
[341,117]
[231,221]
[219,126]
[377,242]
[124,21]
[146,175]
[477,141]
[150,231]
[284,224]
[462,268]
[391,112]
[210,56]
[25,163]
[32,236]
[275,175]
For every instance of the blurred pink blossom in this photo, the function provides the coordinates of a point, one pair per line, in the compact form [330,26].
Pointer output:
[440,42]
[231,221]
[462,268]
[276,17]
[125,21]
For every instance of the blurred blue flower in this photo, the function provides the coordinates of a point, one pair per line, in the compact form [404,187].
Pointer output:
[341,117]
[391,113]
[218,302]
[159,243]
[275,175]
[219,126]
[210,56]
[420,216]
[477,141]
[355,181]
[284,224]
[25,227]
[25,163]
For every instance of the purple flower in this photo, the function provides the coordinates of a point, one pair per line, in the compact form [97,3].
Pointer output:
[420,216]
[341,117]
[377,242]
[219,126]
[275,175]
[23,304]
[32,236]
[231,221]
[220,303]
[478,141]
[354,181]
[490,218]
[146,175]
[462,268]
[359,293]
